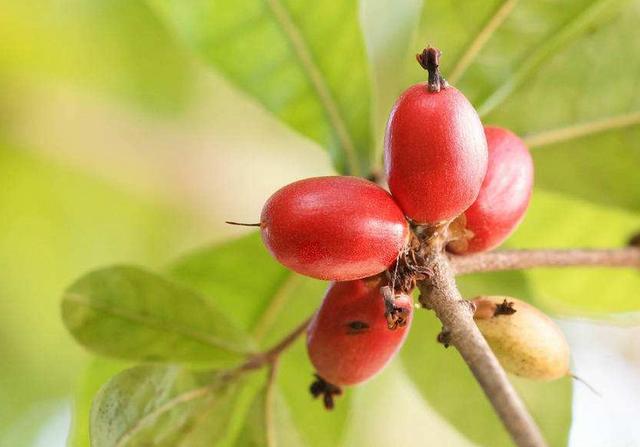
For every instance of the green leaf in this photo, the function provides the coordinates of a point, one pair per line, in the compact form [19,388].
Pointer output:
[129,313]
[270,302]
[600,168]
[491,49]
[447,384]
[163,406]
[304,62]
[239,274]
[96,374]
[268,422]
[599,156]
[548,73]
[257,430]
[452,29]
[554,220]
[252,289]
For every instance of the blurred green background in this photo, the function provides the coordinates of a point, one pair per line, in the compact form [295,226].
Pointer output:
[125,136]
[115,146]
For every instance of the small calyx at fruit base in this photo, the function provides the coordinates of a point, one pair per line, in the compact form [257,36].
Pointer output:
[321,387]
[504,308]
[634,241]
[429,59]
[396,316]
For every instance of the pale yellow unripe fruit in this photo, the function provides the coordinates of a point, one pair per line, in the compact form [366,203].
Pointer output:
[526,342]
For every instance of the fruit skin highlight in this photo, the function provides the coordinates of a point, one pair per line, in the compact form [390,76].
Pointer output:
[334,228]
[504,195]
[526,342]
[349,340]
[435,153]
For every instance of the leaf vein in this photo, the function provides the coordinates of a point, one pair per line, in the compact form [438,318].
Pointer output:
[167,406]
[576,131]
[480,40]
[550,45]
[156,324]
[329,104]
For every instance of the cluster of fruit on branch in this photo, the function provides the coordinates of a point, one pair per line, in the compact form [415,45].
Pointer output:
[453,184]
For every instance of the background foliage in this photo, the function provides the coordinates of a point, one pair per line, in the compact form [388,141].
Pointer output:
[131,129]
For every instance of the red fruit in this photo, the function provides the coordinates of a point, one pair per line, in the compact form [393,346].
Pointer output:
[349,339]
[335,228]
[504,195]
[435,152]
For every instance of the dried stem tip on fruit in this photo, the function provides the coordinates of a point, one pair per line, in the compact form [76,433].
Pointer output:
[429,59]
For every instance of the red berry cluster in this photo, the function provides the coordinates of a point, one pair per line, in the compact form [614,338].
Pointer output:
[442,166]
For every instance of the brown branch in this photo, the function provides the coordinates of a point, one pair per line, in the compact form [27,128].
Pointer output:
[271,356]
[441,295]
[524,259]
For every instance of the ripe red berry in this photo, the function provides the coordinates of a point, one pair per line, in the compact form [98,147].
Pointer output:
[335,228]
[435,152]
[504,195]
[349,339]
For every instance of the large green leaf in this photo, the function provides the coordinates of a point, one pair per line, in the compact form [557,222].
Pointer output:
[239,276]
[263,298]
[491,48]
[163,406]
[130,313]
[601,168]
[541,71]
[304,62]
[598,159]
[447,384]
[452,27]
[554,220]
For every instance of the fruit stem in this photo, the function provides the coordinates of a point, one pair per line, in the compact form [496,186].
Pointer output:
[242,224]
[429,59]
[271,356]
